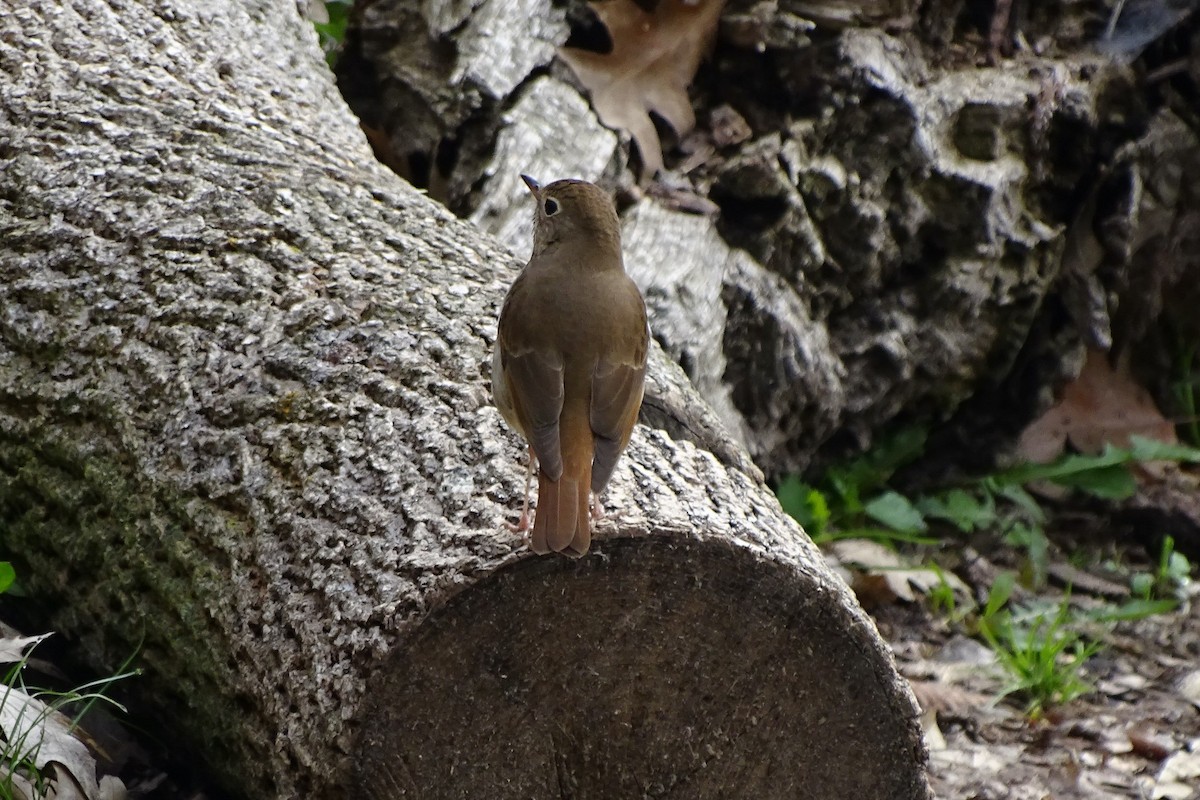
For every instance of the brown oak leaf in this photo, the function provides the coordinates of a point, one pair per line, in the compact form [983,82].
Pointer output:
[653,59]
[1102,406]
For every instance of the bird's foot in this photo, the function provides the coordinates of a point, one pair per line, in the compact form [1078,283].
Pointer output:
[521,526]
[597,510]
[525,522]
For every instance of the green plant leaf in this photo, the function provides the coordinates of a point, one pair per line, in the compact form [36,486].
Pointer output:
[1106,475]
[871,471]
[896,450]
[964,510]
[848,488]
[1040,650]
[804,504]
[791,493]
[818,509]
[1132,610]
[1020,498]
[1064,467]
[1033,540]
[1109,483]
[895,511]
[888,536]
[1143,449]
[1179,569]
[999,594]
[333,32]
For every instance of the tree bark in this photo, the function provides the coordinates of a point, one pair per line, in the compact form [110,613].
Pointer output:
[245,423]
[894,228]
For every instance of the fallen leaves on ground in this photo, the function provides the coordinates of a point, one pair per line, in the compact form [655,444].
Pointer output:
[42,757]
[47,761]
[12,648]
[1102,406]
[879,576]
[1179,774]
[1136,737]
[653,59]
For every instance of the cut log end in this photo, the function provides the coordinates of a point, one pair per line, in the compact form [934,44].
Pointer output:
[654,667]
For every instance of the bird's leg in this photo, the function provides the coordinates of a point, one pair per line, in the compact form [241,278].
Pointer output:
[597,508]
[523,524]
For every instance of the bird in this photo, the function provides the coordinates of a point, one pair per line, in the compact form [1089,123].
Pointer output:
[569,366]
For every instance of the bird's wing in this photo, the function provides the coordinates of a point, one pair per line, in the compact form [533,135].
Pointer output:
[617,386]
[531,393]
[535,388]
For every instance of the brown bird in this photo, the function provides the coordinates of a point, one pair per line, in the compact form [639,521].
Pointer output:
[570,359]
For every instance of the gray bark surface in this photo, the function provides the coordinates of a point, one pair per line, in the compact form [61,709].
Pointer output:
[245,423]
[896,229]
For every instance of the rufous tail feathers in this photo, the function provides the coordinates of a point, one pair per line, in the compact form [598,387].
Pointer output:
[562,521]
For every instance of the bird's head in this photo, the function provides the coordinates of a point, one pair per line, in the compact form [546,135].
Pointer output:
[571,211]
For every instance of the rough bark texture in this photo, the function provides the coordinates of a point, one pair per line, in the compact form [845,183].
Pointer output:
[903,209]
[244,422]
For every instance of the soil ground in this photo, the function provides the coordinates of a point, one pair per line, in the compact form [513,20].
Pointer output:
[1136,734]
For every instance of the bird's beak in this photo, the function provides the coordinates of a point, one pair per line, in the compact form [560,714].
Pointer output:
[532,184]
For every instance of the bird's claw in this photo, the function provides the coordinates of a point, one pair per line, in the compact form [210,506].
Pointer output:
[521,526]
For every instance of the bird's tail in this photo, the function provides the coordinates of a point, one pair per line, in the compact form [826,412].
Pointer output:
[561,524]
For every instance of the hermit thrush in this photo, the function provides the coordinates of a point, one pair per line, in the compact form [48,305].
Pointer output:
[570,359]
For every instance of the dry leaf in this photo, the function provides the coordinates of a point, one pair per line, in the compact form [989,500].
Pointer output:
[22,788]
[654,57]
[112,788]
[934,698]
[879,576]
[932,732]
[1102,406]
[1148,743]
[66,787]
[1082,581]
[942,698]
[1177,776]
[1188,686]
[12,648]
[37,734]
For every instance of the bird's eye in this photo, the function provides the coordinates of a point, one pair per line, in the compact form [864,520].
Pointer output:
[550,206]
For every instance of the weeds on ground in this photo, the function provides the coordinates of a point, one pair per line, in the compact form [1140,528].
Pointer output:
[1170,578]
[1042,648]
[1039,646]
